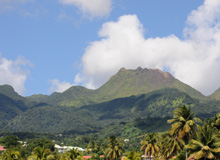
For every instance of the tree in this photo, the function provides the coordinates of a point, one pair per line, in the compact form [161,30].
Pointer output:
[132,156]
[114,148]
[10,154]
[43,143]
[93,147]
[149,145]
[72,154]
[184,124]
[206,145]
[170,146]
[40,153]
[10,141]
[215,121]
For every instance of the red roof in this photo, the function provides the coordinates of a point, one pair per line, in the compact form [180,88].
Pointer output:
[2,148]
[101,156]
[87,157]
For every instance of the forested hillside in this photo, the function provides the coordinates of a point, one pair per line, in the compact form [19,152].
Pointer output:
[142,99]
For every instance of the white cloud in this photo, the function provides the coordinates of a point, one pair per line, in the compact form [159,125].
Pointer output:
[92,8]
[194,60]
[58,86]
[14,73]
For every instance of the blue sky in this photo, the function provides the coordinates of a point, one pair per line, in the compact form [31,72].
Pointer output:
[50,45]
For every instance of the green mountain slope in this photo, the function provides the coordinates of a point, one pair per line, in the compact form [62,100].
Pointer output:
[74,96]
[124,84]
[53,119]
[9,108]
[216,95]
[38,98]
[138,110]
[9,91]
[133,82]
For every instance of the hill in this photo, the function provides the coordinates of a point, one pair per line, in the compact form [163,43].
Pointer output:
[216,95]
[9,108]
[140,81]
[9,91]
[144,111]
[123,84]
[74,96]
[131,101]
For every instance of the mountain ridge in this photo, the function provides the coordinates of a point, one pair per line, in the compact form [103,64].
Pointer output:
[216,95]
[130,96]
[94,118]
[141,81]
[124,83]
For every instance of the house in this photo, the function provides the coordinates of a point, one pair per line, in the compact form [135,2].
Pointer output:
[89,156]
[60,149]
[63,149]
[2,148]
[145,157]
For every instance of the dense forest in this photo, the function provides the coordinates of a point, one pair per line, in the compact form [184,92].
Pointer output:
[129,113]
[188,137]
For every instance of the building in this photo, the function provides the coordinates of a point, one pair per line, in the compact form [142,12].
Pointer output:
[63,149]
[2,148]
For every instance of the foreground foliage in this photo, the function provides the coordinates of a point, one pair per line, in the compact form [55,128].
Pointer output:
[206,145]
[188,138]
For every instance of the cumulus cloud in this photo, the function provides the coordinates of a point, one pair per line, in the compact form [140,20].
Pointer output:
[194,60]
[58,86]
[93,8]
[14,73]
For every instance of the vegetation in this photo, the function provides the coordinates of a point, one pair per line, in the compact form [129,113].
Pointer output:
[139,111]
[150,145]
[185,139]
[114,148]
[125,83]
[206,144]
[119,119]
[154,95]
[215,95]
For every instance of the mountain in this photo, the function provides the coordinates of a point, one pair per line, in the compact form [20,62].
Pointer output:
[216,95]
[9,109]
[139,100]
[38,98]
[9,91]
[133,82]
[74,96]
[147,112]
[123,84]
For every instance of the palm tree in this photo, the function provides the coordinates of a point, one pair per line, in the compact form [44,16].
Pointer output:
[74,154]
[206,145]
[149,144]
[170,146]
[215,121]
[11,155]
[40,153]
[114,148]
[93,147]
[184,124]
[132,156]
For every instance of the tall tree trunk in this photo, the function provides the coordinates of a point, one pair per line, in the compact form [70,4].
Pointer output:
[186,155]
